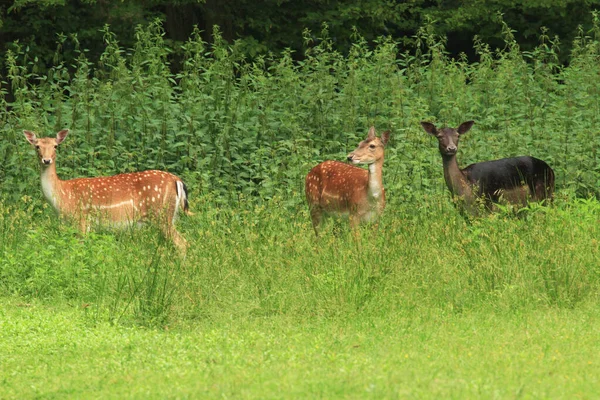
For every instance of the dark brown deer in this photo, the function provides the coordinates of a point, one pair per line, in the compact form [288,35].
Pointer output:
[515,180]
[333,187]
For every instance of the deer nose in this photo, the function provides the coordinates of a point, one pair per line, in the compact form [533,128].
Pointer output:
[451,149]
[46,161]
[350,156]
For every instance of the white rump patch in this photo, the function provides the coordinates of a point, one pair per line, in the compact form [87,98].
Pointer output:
[178,199]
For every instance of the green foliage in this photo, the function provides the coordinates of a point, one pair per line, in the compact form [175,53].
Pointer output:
[276,25]
[234,127]
[38,24]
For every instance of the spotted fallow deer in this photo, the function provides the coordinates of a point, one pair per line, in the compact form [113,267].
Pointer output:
[116,201]
[333,187]
[515,180]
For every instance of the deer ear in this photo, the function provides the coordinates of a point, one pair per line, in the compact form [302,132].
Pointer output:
[371,134]
[30,136]
[464,127]
[385,137]
[60,136]
[429,128]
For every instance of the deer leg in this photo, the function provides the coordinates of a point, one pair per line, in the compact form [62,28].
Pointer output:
[541,192]
[354,221]
[316,216]
[164,219]
[83,224]
[354,227]
[171,233]
[179,241]
[376,229]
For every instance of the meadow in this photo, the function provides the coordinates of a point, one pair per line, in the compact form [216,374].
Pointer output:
[426,304]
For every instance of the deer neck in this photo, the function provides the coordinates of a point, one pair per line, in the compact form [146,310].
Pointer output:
[375,183]
[455,179]
[51,185]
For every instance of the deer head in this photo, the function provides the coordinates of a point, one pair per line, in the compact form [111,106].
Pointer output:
[447,137]
[46,147]
[370,150]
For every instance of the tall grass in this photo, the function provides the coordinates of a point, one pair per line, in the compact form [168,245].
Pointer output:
[257,261]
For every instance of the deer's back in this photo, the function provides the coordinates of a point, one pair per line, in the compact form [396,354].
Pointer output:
[144,190]
[334,184]
[508,173]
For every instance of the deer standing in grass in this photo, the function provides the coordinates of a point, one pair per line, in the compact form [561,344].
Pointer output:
[515,180]
[117,201]
[333,187]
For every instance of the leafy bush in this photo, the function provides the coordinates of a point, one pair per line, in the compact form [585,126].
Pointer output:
[238,129]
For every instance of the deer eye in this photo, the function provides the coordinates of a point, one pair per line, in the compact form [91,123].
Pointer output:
[372,146]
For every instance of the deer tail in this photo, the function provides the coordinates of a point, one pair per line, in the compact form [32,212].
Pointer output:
[182,198]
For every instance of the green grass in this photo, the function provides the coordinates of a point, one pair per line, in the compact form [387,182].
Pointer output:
[424,305]
[50,352]
[265,260]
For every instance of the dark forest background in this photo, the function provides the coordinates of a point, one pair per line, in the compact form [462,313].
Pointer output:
[273,25]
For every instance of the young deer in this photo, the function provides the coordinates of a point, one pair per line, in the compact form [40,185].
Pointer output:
[516,180]
[333,187]
[120,200]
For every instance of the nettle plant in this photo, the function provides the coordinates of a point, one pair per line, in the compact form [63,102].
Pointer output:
[236,129]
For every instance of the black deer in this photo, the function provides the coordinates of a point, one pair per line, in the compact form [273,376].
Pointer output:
[515,180]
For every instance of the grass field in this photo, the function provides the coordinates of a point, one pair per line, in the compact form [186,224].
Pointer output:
[53,352]
[426,305]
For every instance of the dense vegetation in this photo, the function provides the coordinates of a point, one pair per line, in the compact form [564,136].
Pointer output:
[425,305]
[274,25]
[235,128]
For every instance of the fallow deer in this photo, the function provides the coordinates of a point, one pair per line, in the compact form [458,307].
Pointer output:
[515,180]
[117,201]
[333,187]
